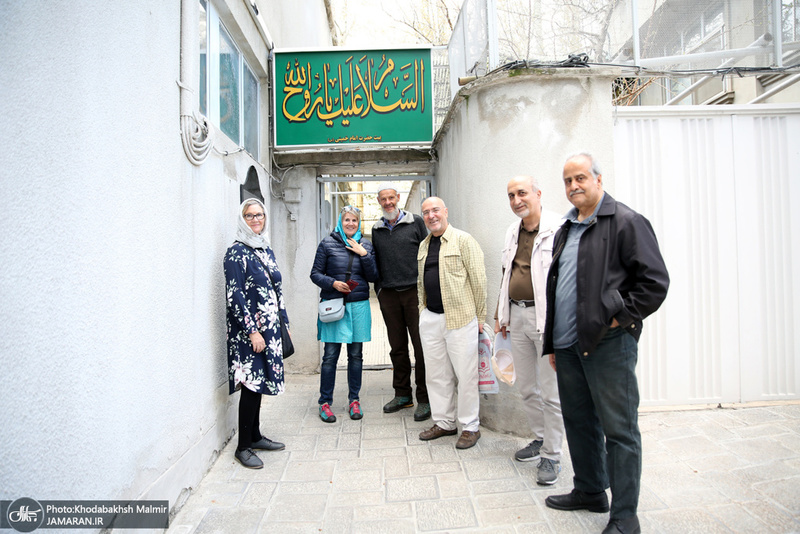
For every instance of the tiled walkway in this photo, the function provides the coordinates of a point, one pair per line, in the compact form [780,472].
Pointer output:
[733,469]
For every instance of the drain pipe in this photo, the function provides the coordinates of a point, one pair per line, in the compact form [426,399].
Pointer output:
[761,42]
[195,131]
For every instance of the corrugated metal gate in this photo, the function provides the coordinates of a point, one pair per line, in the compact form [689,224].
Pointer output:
[719,184]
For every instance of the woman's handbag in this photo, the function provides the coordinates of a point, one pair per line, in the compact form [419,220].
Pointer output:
[286,338]
[331,311]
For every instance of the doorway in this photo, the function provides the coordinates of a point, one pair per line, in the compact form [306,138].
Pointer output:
[336,192]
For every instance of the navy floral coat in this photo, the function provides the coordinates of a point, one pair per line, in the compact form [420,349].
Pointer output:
[253,305]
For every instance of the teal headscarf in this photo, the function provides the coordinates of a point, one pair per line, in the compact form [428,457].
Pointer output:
[340,228]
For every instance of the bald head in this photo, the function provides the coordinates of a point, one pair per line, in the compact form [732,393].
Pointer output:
[434,213]
[525,199]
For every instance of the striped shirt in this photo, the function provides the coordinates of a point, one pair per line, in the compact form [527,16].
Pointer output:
[462,277]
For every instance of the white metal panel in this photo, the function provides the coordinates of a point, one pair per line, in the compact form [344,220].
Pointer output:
[717,185]
[766,148]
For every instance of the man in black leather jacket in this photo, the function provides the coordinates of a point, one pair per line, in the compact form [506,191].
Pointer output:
[607,275]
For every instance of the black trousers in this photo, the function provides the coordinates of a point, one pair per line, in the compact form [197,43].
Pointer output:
[249,411]
[401,314]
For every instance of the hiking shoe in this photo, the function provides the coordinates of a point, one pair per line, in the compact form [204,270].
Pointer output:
[355,410]
[422,412]
[265,444]
[436,432]
[397,404]
[468,439]
[547,471]
[248,459]
[326,414]
[530,452]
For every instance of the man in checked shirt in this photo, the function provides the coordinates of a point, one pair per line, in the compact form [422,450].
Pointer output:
[452,300]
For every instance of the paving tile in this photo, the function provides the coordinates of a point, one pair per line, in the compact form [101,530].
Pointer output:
[699,447]
[187,518]
[720,462]
[320,487]
[296,508]
[354,499]
[411,489]
[737,518]
[383,453]
[483,487]
[289,527]
[434,467]
[234,519]
[395,466]
[360,464]
[309,470]
[369,480]
[419,455]
[533,528]
[384,431]
[219,494]
[386,526]
[336,454]
[396,510]
[453,485]
[383,443]
[687,521]
[445,514]
[509,516]
[489,469]
[504,500]
[785,492]
[258,494]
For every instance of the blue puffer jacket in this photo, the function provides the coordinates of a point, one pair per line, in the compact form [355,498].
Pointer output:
[330,264]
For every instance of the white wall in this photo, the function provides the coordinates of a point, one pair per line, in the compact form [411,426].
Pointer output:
[502,126]
[112,325]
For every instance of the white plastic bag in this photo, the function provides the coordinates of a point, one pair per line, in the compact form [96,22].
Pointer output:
[487,381]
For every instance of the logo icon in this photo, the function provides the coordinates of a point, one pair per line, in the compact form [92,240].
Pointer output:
[25,515]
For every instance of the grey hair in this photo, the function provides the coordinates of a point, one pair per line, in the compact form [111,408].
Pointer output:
[533,181]
[594,164]
[253,201]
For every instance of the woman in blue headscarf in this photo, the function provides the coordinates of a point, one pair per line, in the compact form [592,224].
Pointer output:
[343,266]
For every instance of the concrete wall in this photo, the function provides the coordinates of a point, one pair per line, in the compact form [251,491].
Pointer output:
[509,124]
[112,340]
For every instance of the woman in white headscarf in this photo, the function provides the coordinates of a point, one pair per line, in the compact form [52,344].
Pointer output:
[255,352]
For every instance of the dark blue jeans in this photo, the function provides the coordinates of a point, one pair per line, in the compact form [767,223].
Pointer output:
[600,402]
[327,379]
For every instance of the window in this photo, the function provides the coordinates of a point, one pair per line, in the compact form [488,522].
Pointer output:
[228,87]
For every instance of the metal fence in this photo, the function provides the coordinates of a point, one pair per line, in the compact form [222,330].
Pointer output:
[658,34]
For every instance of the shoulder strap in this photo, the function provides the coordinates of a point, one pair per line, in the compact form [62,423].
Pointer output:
[350,266]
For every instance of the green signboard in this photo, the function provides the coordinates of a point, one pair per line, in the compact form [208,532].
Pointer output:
[341,97]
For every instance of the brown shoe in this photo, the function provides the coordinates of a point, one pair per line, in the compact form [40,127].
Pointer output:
[468,439]
[435,432]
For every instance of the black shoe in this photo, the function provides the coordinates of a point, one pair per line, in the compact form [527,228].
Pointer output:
[265,444]
[249,459]
[422,412]
[397,404]
[629,525]
[578,500]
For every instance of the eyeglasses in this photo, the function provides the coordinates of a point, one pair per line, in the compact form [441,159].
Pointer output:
[350,209]
[251,216]
[432,211]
